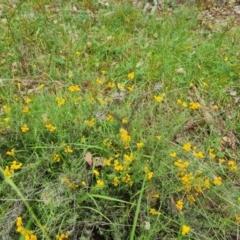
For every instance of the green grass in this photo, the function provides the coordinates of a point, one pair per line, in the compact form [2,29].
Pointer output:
[65,74]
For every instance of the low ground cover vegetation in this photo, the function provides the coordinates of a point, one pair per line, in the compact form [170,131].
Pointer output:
[118,124]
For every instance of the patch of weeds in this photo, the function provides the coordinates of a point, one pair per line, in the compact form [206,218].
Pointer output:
[116,124]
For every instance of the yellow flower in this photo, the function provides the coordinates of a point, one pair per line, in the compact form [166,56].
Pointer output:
[185,230]
[124,121]
[156,195]
[173,154]
[62,236]
[15,166]
[110,118]
[187,147]
[25,109]
[11,152]
[60,101]
[184,104]
[6,109]
[153,211]
[179,205]
[217,181]
[28,100]
[140,144]
[8,172]
[232,165]
[6,119]
[179,101]
[130,89]
[125,136]
[131,75]
[120,87]
[159,137]
[225,59]
[194,105]
[128,158]
[211,154]
[215,106]
[158,98]
[126,178]
[179,163]
[77,53]
[149,175]
[56,157]
[25,128]
[207,183]
[198,154]
[111,85]
[83,183]
[115,181]
[41,86]
[90,122]
[117,166]
[100,81]
[19,221]
[68,150]
[221,160]
[100,183]
[191,198]
[74,88]
[50,127]
[96,172]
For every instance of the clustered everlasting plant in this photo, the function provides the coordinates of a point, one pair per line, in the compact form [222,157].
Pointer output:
[119,136]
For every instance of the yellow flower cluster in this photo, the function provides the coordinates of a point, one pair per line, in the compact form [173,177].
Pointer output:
[117,166]
[187,147]
[6,109]
[211,154]
[90,122]
[131,75]
[185,230]
[69,183]
[160,98]
[62,236]
[115,181]
[9,171]
[140,144]
[108,162]
[100,81]
[198,154]
[110,118]
[68,149]
[60,101]
[217,181]
[56,157]
[149,174]
[125,137]
[127,179]
[179,163]
[11,152]
[26,109]
[153,211]
[179,205]
[232,165]
[100,183]
[50,127]
[74,88]
[194,105]
[25,128]
[28,234]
